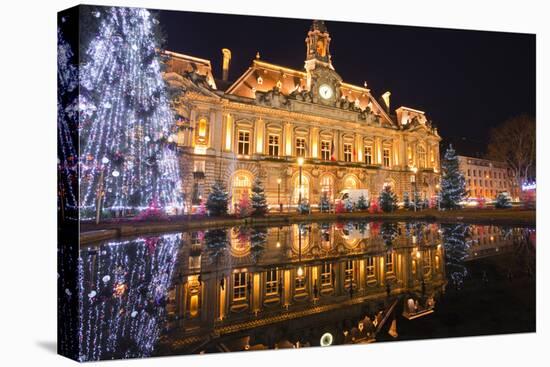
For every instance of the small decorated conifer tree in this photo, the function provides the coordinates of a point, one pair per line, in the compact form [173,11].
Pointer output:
[503,201]
[362,203]
[259,201]
[217,199]
[388,200]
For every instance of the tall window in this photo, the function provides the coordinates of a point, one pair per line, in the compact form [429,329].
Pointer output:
[389,263]
[347,152]
[300,283]
[273,145]
[244,143]
[386,157]
[348,272]
[300,147]
[239,286]
[421,156]
[325,150]
[271,282]
[326,274]
[370,266]
[368,155]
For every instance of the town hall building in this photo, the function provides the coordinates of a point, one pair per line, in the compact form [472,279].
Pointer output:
[305,133]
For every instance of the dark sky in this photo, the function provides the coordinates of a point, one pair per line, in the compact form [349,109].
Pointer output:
[466,81]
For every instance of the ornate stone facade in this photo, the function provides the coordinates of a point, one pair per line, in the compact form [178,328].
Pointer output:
[271,115]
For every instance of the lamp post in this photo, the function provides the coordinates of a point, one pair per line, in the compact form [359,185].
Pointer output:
[300,271]
[413,180]
[99,194]
[279,195]
[300,164]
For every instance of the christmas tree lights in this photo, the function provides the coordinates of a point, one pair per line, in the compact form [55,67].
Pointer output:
[128,157]
[453,185]
[67,122]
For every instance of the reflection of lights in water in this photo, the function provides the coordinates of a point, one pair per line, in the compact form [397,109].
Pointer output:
[326,339]
[418,254]
[278,244]
[123,294]
[300,271]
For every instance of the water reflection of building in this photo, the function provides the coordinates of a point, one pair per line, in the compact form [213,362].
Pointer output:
[294,273]
[491,240]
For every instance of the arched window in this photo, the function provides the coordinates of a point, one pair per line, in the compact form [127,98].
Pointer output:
[304,188]
[327,186]
[201,137]
[240,186]
[350,182]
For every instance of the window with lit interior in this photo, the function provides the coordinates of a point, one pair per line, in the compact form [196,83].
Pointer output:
[244,143]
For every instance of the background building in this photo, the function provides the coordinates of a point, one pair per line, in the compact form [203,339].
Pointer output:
[260,124]
[486,178]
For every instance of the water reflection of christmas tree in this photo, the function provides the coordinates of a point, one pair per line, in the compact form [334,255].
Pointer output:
[123,289]
[456,251]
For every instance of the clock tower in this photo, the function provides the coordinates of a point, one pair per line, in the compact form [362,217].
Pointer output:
[322,80]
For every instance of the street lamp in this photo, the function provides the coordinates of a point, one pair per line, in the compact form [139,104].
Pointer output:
[300,164]
[413,181]
[300,271]
[279,194]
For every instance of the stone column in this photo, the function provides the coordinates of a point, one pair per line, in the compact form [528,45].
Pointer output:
[287,138]
[259,136]
[314,142]
[359,148]
[193,124]
[378,149]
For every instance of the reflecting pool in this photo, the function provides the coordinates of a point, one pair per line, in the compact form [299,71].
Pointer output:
[301,285]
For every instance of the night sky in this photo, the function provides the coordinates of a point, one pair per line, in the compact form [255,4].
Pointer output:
[467,82]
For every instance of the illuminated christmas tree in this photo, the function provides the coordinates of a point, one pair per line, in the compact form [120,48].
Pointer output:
[67,122]
[128,157]
[453,185]
[259,201]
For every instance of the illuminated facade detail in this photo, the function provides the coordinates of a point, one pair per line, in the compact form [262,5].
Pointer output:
[272,114]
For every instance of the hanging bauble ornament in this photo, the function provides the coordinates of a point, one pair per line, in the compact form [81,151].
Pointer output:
[115,173]
[106,278]
[151,160]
